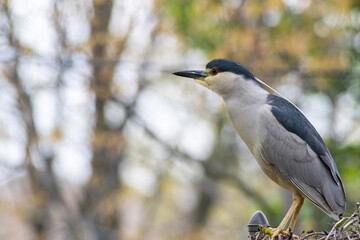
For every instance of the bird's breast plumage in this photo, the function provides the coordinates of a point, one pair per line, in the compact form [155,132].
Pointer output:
[243,106]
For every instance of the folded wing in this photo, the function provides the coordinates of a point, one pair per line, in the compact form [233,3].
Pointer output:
[293,146]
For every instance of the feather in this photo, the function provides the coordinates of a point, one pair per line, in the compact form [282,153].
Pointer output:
[294,148]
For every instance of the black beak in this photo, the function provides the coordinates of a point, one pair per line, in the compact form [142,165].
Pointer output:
[195,74]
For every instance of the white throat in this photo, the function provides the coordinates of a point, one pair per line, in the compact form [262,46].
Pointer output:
[243,105]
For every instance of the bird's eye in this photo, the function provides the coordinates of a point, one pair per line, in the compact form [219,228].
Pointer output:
[214,71]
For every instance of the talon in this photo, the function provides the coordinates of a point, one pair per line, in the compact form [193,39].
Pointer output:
[267,230]
[276,232]
[289,233]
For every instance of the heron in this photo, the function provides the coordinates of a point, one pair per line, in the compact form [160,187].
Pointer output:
[284,143]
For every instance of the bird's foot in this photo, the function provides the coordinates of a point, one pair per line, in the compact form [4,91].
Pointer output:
[289,234]
[277,231]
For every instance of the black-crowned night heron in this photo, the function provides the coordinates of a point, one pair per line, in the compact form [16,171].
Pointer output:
[285,144]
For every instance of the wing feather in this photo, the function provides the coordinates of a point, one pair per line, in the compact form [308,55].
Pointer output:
[312,171]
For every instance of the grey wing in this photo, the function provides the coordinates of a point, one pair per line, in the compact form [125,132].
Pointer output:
[298,164]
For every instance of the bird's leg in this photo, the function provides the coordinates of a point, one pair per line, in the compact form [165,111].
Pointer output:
[286,219]
[300,201]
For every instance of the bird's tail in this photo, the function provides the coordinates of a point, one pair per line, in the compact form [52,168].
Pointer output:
[330,199]
[334,195]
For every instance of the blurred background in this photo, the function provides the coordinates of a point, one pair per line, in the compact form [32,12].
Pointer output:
[99,141]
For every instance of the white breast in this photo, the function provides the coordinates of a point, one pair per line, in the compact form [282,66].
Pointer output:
[243,110]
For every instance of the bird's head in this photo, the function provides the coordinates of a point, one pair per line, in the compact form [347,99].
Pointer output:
[222,76]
